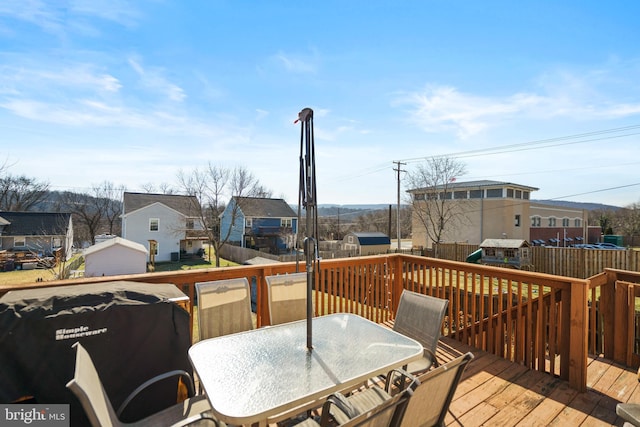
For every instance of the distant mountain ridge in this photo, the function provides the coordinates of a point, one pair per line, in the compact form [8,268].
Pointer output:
[578,205]
[327,209]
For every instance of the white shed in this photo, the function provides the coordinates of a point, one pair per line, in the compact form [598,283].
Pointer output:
[115,256]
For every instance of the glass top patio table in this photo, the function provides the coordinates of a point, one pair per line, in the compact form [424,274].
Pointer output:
[251,376]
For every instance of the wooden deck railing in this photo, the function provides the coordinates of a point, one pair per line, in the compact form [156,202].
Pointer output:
[537,320]
[614,299]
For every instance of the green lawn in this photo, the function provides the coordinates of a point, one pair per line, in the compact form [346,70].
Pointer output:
[21,277]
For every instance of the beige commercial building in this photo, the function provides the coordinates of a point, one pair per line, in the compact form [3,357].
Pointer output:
[479,210]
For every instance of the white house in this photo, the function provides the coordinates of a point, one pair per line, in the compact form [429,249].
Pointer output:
[115,256]
[169,223]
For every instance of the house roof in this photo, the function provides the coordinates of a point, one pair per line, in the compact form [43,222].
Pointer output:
[475,185]
[504,243]
[116,241]
[186,205]
[261,207]
[366,238]
[34,223]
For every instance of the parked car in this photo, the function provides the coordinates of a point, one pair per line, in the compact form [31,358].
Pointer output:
[606,245]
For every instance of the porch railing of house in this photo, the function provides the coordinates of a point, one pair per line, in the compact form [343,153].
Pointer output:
[545,322]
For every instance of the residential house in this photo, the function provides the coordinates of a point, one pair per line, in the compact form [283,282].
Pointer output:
[259,223]
[168,225]
[366,243]
[115,256]
[499,210]
[43,233]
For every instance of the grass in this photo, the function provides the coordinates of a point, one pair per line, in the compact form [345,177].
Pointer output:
[191,264]
[22,277]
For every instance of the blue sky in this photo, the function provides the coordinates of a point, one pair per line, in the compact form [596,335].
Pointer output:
[539,93]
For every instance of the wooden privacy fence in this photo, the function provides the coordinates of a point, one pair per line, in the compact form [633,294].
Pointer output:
[571,262]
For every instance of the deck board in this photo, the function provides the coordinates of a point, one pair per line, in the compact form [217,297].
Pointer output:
[496,392]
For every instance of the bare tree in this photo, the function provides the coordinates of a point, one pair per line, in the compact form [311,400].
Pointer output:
[626,222]
[97,211]
[109,199]
[20,193]
[431,190]
[214,187]
[162,188]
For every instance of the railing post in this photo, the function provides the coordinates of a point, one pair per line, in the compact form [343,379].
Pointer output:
[607,314]
[578,334]
[396,262]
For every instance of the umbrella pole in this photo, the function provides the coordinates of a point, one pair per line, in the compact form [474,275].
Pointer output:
[308,196]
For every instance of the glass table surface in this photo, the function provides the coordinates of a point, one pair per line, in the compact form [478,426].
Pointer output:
[253,375]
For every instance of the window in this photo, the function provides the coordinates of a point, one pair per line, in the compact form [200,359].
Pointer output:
[565,222]
[577,222]
[517,221]
[446,195]
[552,222]
[285,222]
[494,192]
[418,196]
[518,194]
[510,193]
[460,195]
[525,195]
[535,221]
[189,224]
[249,222]
[475,194]
[19,242]
[154,224]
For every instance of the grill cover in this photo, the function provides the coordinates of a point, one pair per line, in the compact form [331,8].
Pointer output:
[133,331]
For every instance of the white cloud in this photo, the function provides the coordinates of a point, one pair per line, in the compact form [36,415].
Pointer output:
[296,64]
[559,94]
[65,16]
[45,79]
[153,79]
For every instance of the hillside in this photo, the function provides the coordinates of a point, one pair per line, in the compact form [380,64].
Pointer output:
[578,205]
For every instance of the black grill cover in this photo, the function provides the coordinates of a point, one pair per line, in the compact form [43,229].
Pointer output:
[133,331]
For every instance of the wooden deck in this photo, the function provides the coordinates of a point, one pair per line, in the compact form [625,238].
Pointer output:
[495,392]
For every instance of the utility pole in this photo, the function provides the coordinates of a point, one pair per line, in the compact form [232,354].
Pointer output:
[398,163]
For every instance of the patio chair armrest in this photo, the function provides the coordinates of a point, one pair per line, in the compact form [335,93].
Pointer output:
[629,412]
[337,399]
[433,357]
[176,373]
[407,380]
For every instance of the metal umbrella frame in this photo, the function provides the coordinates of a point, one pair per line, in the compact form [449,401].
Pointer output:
[307,198]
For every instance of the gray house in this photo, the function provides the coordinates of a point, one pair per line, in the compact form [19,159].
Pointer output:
[168,225]
[43,233]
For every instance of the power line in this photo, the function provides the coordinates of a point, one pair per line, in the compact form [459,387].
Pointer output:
[537,144]
[597,191]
